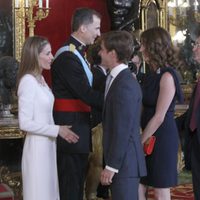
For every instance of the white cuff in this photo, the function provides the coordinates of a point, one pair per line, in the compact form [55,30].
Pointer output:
[112,169]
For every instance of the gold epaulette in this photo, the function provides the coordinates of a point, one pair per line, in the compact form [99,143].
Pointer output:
[72,47]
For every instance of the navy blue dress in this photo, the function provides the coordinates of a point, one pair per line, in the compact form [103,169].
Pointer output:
[162,163]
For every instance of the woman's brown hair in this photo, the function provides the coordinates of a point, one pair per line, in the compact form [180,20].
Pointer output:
[29,63]
[159,48]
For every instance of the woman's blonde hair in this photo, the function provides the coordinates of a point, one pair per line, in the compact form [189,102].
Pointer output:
[29,63]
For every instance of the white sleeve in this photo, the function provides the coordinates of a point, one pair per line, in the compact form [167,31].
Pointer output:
[26,100]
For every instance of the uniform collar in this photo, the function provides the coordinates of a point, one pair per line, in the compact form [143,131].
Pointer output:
[80,46]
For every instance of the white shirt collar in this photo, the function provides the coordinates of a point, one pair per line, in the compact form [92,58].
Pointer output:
[103,69]
[116,70]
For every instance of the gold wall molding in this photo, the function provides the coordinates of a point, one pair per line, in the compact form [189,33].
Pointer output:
[9,132]
[10,129]
[19,29]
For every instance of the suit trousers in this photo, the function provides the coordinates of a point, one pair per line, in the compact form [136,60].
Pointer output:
[71,175]
[125,188]
[195,162]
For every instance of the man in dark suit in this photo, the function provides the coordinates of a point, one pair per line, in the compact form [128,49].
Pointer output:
[189,122]
[122,148]
[194,125]
[74,96]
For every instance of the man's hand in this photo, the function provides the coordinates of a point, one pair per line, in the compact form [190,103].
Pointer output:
[106,177]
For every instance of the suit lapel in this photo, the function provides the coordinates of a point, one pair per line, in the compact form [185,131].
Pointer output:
[114,84]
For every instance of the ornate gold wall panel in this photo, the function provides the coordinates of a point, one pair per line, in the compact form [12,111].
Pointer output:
[153,13]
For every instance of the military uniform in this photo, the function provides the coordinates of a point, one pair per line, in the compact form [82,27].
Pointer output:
[74,97]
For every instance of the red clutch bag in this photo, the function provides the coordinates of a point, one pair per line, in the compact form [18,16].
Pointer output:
[149,145]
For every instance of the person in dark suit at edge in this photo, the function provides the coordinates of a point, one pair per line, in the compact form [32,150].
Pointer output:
[192,127]
[122,148]
[189,123]
[74,96]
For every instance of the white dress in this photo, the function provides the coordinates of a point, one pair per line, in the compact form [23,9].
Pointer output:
[39,169]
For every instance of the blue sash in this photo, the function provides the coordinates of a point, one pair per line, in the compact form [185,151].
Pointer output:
[72,48]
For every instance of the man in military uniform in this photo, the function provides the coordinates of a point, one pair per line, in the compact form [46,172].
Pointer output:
[74,96]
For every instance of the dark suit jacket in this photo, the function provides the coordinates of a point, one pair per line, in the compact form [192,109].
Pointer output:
[197,115]
[99,80]
[183,124]
[69,81]
[121,127]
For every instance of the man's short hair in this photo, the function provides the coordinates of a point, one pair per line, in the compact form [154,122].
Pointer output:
[83,16]
[121,42]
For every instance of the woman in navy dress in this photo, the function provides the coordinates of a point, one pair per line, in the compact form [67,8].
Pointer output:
[161,90]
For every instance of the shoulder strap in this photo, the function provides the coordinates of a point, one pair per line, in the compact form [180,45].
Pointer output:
[72,49]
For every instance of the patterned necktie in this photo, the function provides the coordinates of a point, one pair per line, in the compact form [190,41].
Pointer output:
[108,81]
[196,103]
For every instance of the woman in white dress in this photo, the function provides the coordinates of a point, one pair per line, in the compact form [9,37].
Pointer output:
[35,101]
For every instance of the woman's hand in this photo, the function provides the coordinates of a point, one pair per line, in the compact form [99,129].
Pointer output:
[68,134]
